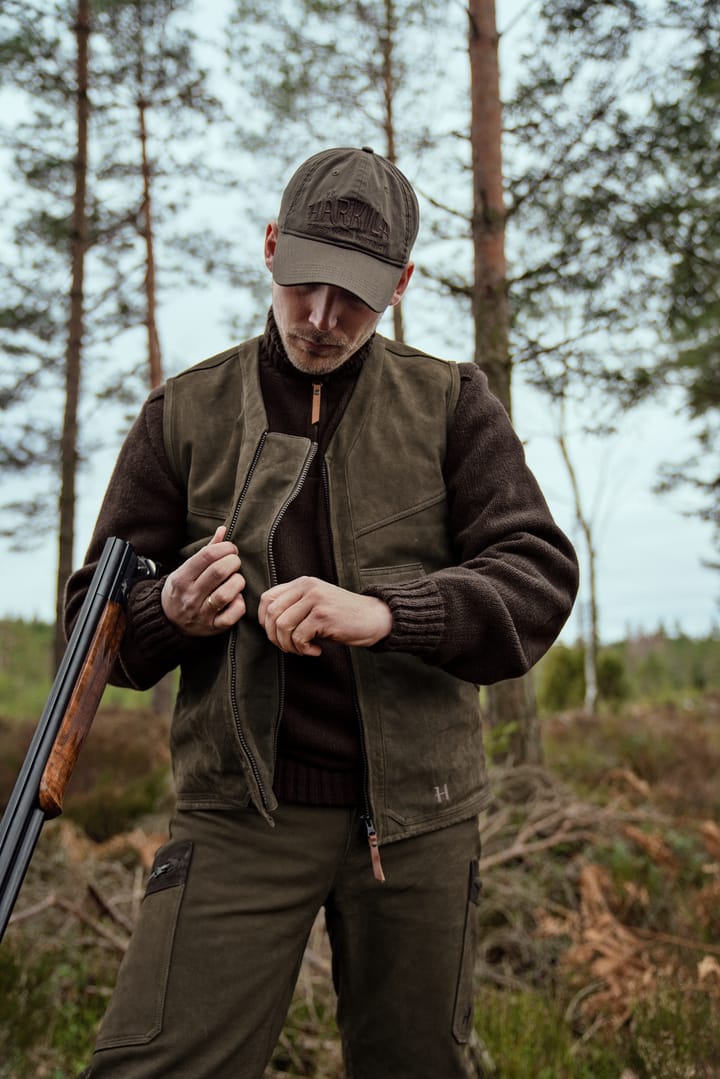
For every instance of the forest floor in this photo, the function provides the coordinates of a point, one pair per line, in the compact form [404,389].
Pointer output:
[599,917]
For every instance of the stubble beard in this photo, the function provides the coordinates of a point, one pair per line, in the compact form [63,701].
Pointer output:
[298,348]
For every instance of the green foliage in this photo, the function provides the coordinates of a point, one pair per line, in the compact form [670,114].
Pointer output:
[498,740]
[661,666]
[630,865]
[46,998]
[613,685]
[26,673]
[300,1051]
[526,1034]
[25,668]
[115,803]
[561,682]
[675,1034]
[562,679]
[656,667]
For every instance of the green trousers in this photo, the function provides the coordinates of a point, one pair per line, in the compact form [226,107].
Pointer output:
[206,984]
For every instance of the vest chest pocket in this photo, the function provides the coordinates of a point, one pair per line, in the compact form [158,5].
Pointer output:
[410,543]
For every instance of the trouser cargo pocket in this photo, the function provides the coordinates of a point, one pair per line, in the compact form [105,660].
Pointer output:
[464,999]
[135,1014]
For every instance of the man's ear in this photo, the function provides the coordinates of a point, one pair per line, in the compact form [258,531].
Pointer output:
[402,284]
[271,235]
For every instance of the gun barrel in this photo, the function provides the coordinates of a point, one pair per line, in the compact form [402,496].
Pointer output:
[24,815]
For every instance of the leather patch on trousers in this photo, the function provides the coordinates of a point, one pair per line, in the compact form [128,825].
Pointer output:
[171,866]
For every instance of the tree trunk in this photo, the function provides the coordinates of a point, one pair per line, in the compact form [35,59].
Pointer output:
[73,357]
[162,693]
[490,311]
[590,624]
[154,354]
[387,45]
[511,704]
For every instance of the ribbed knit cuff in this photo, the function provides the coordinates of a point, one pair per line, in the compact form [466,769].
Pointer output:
[151,630]
[418,613]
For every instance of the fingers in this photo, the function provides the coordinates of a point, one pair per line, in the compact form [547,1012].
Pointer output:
[226,605]
[288,615]
[203,596]
[298,614]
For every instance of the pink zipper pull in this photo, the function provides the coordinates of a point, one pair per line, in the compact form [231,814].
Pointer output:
[374,851]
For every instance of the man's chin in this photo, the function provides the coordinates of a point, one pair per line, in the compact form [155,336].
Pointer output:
[316,363]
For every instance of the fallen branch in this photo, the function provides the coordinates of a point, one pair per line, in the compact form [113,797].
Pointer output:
[36,908]
[97,927]
[522,850]
[108,909]
[676,942]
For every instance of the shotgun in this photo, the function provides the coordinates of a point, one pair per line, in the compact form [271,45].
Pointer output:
[68,714]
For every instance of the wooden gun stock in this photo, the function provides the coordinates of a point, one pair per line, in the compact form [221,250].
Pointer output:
[81,710]
[68,714]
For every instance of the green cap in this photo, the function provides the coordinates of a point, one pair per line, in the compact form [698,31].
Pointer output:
[347,217]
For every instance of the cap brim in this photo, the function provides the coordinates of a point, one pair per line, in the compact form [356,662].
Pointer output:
[298,261]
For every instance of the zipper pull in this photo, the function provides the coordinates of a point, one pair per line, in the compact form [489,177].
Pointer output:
[316,396]
[374,851]
[164,868]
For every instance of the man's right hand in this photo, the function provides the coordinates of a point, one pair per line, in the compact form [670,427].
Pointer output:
[203,596]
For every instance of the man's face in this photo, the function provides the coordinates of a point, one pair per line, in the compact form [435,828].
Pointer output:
[322,326]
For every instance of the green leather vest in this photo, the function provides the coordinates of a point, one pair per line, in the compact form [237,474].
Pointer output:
[421,727]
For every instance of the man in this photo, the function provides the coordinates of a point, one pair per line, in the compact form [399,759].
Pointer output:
[350,542]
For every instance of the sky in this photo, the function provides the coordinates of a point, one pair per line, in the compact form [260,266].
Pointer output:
[651,553]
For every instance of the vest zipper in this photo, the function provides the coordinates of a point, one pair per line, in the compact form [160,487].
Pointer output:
[367,817]
[233,633]
[273,581]
[248,479]
[232,642]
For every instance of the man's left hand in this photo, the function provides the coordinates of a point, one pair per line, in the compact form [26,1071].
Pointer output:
[298,614]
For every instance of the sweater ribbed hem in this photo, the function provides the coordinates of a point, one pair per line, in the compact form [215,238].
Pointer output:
[305,784]
[418,612]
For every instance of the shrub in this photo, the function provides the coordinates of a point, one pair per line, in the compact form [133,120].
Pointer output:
[674,1035]
[47,1008]
[526,1034]
[613,684]
[562,679]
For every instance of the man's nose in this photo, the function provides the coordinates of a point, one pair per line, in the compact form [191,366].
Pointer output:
[325,307]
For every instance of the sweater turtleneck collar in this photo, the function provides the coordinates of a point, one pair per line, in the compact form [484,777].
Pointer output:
[274,353]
